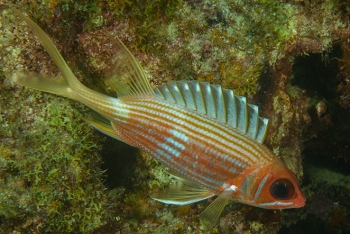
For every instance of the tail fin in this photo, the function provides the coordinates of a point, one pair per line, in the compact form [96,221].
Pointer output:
[56,85]
[61,86]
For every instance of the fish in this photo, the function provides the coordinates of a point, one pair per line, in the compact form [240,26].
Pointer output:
[210,139]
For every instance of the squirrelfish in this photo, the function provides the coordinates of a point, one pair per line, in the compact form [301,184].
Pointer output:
[210,138]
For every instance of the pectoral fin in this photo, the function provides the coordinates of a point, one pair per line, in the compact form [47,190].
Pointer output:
[182,192]
[210,216]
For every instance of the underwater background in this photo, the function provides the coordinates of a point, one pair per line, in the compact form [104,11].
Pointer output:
[292,58]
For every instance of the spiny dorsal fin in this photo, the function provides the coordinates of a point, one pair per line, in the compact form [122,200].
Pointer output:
[126,75]
[217,103]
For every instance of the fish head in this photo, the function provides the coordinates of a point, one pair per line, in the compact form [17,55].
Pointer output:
[270,186]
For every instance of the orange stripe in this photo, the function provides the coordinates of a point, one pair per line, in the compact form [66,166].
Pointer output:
[233,135]
[213,123]
[187,158]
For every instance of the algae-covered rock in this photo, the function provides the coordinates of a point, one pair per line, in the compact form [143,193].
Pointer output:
[51,175]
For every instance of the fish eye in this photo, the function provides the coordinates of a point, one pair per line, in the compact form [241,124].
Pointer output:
[282,189]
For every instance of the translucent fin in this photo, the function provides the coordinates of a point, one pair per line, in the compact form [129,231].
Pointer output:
[231,108]
[210,216]
[102,124]
[56,85]
[182,192]
[242,113]
[216,103]
[196,90]
[208,99]
[166,94]
[253,121]
[220,105]
[126,75]
[187,94]
[67,74]
[262,129]
[176,93]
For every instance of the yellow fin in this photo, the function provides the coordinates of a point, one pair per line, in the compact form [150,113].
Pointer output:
[182,192]
[126,76]
[210,216]
[102,124]
[67,74]
[56,85]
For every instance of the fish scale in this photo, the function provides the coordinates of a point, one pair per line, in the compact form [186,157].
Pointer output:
[209,137]
[207,153]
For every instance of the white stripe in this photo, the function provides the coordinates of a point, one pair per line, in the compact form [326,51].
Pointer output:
[261,185]
[179,165]
[206,181]
[276,203]
[166,120]
[175,143]
[179,135]
[212,125]
[195,130]
[169,149]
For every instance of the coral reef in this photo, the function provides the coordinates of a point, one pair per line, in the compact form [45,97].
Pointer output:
[290,57]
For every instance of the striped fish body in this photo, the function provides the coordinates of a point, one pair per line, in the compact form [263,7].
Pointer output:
[209,137]
[191,144]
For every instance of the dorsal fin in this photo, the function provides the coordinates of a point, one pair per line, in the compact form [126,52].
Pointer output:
[126,75]
[216,103]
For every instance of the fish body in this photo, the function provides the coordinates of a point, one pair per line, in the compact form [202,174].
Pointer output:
[207,152]
[210,138]
[196,146]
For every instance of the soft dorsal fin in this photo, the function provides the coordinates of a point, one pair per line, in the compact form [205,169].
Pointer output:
[126,75]
[217,103]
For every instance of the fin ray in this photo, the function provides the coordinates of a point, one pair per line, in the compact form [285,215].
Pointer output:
[177,94]
[187,95]
[102,124]
[208,99]
[181,192]
[262,129]
[253,120]
[196,89]
[67,73]
[216,103]
[55,85]
[210,216]
[126,75]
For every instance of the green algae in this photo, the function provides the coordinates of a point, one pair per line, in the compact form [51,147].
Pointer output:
[49,166]
[50,174]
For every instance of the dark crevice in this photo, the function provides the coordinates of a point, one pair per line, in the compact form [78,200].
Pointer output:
[119,159]
[316,73]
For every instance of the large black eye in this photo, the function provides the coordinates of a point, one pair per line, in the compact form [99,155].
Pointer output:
[282,189]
